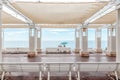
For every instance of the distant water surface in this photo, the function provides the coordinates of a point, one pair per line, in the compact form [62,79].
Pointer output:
[46,44]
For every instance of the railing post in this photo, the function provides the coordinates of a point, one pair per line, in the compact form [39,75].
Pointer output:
[78,75]
[3,75]
[48,69]
[116,75]
[70,75]
[40,75]
[48,76]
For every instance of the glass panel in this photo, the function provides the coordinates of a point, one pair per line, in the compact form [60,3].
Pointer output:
[114,32]
[84,33]
[77,34]
[91,38]
[32,32]
[99,33]
[16,38]
[104,38]
[38,34]
[54,37]
[109,32]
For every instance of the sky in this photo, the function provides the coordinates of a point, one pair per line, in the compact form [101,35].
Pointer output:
[48,34]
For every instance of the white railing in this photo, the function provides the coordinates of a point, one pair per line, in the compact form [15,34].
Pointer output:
[50,67]
[59,66]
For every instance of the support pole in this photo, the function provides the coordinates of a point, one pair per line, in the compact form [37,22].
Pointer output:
[108,39]
[84,43]
[77,40]
[98,40]
[32,42]
[35,40]
[0,31]
[111,42]
[3,38]
[39,40]
[118,39]
[0,44]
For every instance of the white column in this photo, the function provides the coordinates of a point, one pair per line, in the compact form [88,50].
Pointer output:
[111,42]
[0,31]
[98,40]
[84,42]
[2,38]
[39,40]
[32,42]
[118,40]
[108,39]
[35,39]
[0,44]
[77,40]
[118,36]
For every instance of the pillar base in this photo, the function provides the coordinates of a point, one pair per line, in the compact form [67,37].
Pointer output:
[98,51]
[32,54]
[39,51]
[84,54]
[111,54]
[77,50]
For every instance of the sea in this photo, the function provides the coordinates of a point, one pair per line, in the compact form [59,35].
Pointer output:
[48,44]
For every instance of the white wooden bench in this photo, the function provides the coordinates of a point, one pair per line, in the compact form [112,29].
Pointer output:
[58,50]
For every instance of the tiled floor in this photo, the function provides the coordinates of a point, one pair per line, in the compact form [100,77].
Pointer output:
[57,58]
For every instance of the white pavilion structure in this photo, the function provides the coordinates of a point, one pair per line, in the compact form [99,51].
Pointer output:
[39,14]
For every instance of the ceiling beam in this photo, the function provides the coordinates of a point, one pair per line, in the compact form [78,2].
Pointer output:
[53,24]
[50,25]
[111,6]
[8,8]
[118,7]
